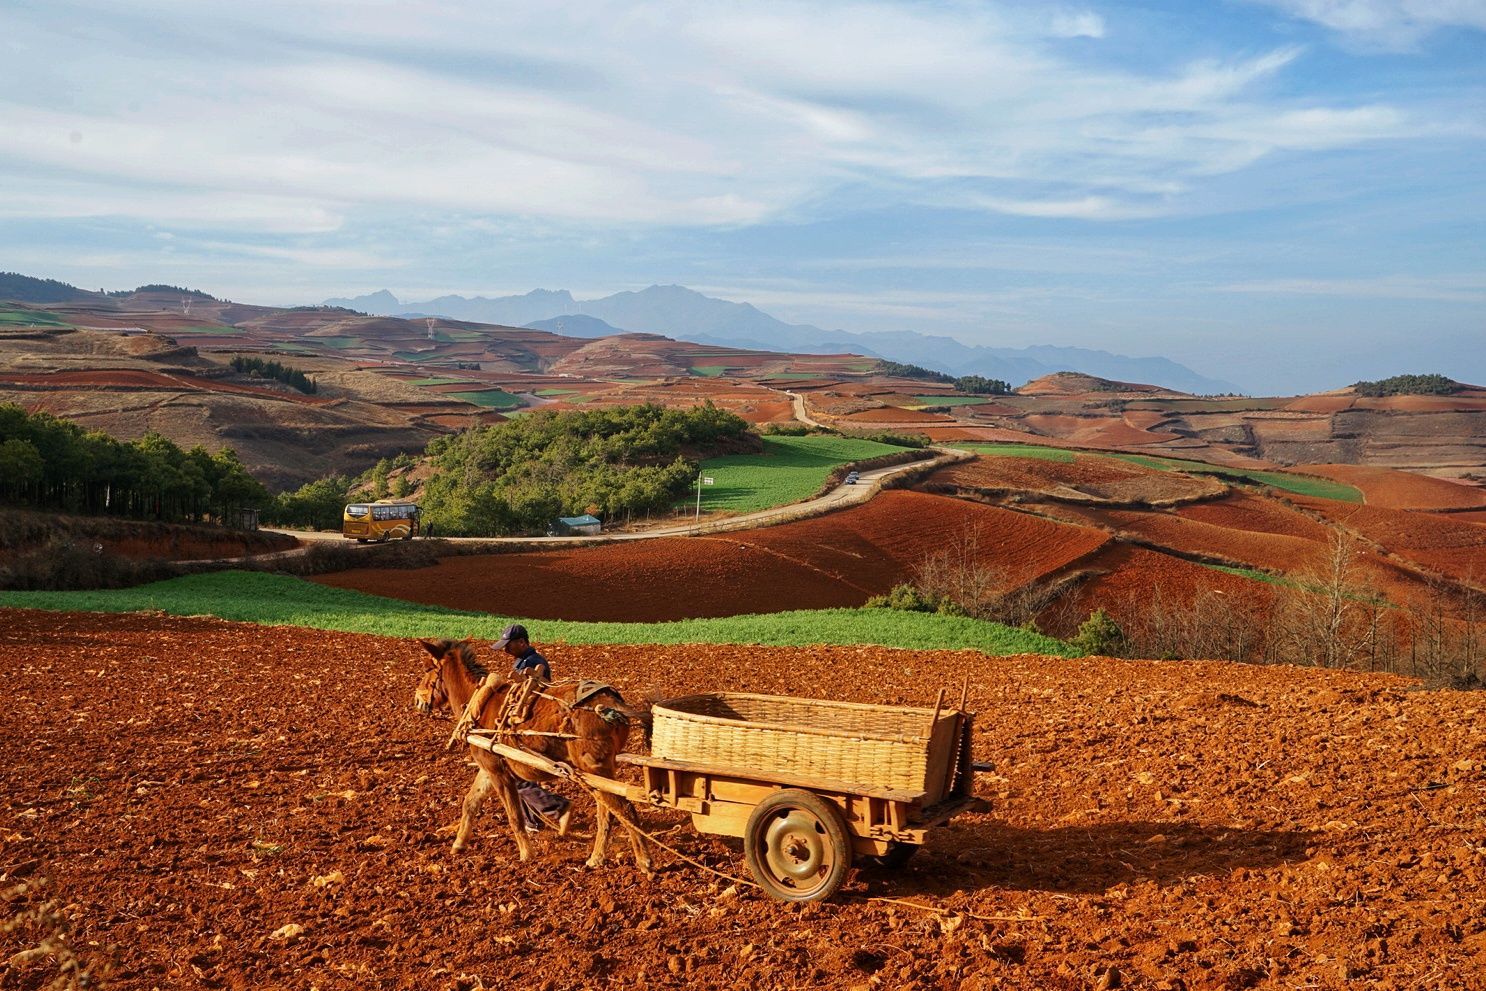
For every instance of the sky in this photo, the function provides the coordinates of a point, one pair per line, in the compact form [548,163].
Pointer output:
[1287,194]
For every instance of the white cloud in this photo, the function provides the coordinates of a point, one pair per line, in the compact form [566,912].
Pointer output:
[1443,288]
[1077,25]
[295,117]
[1395,25]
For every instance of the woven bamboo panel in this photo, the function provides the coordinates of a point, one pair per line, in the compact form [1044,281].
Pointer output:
[877,745]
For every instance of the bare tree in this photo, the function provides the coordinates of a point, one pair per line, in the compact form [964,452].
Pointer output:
[962,573]
[1328,619]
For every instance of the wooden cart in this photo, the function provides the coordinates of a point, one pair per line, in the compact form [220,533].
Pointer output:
[808,785]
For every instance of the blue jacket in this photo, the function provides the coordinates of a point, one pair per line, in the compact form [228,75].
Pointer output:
[532,662]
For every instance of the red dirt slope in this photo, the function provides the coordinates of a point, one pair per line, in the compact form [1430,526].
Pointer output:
[188,789]
[1392,489]
[1084,479]
[837,560]
[1439,542]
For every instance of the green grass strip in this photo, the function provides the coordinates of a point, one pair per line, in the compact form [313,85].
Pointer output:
[1258,576]
[708,371]
[28,318]
[282,600]
[952,400]
[1305,485]
[789,469]
[489,398]
[1020,451]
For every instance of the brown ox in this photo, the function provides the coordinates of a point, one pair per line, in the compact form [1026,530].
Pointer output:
[588,737]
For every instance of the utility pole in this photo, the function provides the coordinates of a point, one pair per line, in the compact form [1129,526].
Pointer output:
[702,479]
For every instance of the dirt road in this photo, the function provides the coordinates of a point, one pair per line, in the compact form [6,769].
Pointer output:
[868,485]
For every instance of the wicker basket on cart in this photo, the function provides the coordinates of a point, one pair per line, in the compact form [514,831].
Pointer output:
[890,747]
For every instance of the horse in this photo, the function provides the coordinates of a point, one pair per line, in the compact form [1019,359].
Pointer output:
[588,735]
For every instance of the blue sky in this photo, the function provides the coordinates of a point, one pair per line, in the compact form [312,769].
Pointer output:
[1289,194]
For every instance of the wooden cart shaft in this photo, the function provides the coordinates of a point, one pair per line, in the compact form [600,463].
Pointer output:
[721,799]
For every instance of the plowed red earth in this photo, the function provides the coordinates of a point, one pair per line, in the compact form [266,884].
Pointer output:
[892,414]
[1436,541]
[1132,579]
[132,379]
[1083,477]
[840,559]
[1236,538]
[229,806]
[1392,489]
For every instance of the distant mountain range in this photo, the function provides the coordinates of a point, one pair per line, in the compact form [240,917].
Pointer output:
[689,315]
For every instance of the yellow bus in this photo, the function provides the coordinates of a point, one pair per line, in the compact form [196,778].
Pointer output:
[380,521]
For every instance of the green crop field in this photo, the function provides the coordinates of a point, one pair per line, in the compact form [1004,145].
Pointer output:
[1020,451]
[708,371]
[951,400]
[28,318]
[555,392]
[1305,485]
[336,343]
[489,398]
[789,469]
[281,600]
[436,380]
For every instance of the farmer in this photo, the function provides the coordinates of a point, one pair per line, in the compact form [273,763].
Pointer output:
[538,805]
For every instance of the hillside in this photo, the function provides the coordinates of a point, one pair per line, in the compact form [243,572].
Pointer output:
[429,375]
[681,312]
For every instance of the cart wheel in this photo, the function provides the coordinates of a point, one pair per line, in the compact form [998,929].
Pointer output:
[898,855]
[797,846]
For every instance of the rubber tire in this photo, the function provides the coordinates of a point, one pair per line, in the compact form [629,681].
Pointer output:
[361,540]
[408,535]
[897,857]
[828,823]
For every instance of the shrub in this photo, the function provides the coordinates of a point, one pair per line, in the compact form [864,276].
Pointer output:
[1099,635]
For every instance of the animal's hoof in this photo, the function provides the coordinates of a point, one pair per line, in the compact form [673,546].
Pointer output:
[458,847]
[594,862]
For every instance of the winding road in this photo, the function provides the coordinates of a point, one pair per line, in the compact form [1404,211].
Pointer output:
[868,484]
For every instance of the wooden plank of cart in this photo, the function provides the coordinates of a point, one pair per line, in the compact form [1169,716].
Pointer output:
[808,785]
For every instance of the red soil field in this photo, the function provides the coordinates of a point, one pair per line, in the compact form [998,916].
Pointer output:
[1391,489]
[1470,402]
[1267,551]
[189,788]
[1079,479]
[840,559]
[1095,431]
[1136,577]
[134,379]
[1321,404]
[892,414]
[993,435]
[1245,511]
[1437,541]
